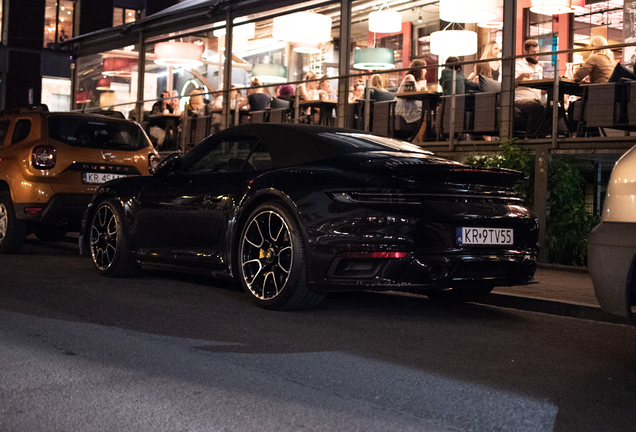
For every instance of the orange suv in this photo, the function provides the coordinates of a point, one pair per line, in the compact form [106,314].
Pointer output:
[51,163]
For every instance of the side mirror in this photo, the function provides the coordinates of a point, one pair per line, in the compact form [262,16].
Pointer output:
[169,165]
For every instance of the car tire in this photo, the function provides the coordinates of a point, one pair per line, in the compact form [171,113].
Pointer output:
[461,294]
[272,263]
[12,230]
[108,241]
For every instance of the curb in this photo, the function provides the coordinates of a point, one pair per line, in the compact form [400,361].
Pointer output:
[555,308]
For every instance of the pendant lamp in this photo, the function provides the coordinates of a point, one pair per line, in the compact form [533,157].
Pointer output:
[496,23]
[374,59]
[453,43]
[385,20]
[467,11]
[577,6]
[550,7]
[185,54]
[306,48]
[118,66]
[269,73]
[306,27]
[103,84]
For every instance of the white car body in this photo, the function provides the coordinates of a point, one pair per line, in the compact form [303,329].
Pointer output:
[612,244]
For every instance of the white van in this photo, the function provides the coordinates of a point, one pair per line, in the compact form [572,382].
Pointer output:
[612,244]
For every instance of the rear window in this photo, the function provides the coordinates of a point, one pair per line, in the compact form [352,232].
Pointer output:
[96,133]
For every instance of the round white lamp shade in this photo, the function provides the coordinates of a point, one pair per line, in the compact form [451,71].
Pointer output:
[373,59]
[269,73]
[453,43]
[303,27]
[467,11]
[183,54]
[385,21]
[577,6]
[495,23]
[550,7]
[306,48]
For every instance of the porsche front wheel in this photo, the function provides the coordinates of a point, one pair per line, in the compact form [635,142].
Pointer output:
[108,240]
[272,260]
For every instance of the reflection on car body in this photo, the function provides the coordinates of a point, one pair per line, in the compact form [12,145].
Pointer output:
[293,212]
[612,243]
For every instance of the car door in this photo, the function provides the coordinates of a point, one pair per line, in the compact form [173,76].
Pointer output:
[184,216]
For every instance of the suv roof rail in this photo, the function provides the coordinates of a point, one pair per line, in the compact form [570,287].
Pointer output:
[36,107]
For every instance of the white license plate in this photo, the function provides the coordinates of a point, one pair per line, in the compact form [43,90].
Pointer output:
[484,236]
[98,178]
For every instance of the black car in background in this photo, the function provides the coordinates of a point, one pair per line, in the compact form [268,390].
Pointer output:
[293,212]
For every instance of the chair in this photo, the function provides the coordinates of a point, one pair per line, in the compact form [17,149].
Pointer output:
[464,114]
[258,116]
[383,120]
[278,115]
[486,114]
[201,128]
[403,130]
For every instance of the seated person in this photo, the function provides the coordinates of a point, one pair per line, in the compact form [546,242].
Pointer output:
[528,106]
[157,126]
[599,65]
[195,105]
[218,102]
[378,92]
[257,100]
[358,91]
[409,111]
[174,102]
[325,91]
[309,90]
[284,93]
[446,79]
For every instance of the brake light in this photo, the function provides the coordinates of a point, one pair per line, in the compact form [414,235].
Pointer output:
[32,210]
[43,157]
[153,162]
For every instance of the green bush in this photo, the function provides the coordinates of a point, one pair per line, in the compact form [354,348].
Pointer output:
[568,224]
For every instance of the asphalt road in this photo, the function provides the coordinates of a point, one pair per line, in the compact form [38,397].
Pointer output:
[168,351]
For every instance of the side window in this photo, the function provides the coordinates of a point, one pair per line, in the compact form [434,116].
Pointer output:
[4,128]
[21,130]
[232,155]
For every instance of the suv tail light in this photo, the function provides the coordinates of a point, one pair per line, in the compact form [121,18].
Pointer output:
[153,162]
[44,157]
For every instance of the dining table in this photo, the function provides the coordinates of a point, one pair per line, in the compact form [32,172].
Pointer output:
[324,107]
[566,86]
[429,99]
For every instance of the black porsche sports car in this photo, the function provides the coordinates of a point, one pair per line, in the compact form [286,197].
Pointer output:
[293,212]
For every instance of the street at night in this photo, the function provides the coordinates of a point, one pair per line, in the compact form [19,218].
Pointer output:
[173,351]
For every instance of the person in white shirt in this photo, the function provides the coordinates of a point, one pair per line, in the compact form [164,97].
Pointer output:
[528,104]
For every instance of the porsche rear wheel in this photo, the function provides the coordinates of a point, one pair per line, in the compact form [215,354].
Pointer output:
[12,230]
[109,242]
[272,261]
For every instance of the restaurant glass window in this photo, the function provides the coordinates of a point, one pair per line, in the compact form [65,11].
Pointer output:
[56,93]
[108,81]
[605,18]
[123,16]
[58,21]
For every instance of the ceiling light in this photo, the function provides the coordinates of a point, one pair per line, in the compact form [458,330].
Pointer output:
[468,11]
[302,27]
[306,48]
[373,59]
[184,54]
[453,43]
[550,7]
[269,73]
[385,20]
[495,23]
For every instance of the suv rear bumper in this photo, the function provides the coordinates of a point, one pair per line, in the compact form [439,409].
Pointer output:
[62,210]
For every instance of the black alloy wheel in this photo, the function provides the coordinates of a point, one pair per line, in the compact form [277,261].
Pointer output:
[271,260]
[12,230]
[108,241]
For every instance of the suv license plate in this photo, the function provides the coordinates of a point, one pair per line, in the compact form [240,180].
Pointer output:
[99,178]
[484,236]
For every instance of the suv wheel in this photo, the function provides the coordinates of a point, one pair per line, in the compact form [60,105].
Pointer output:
[12,230]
